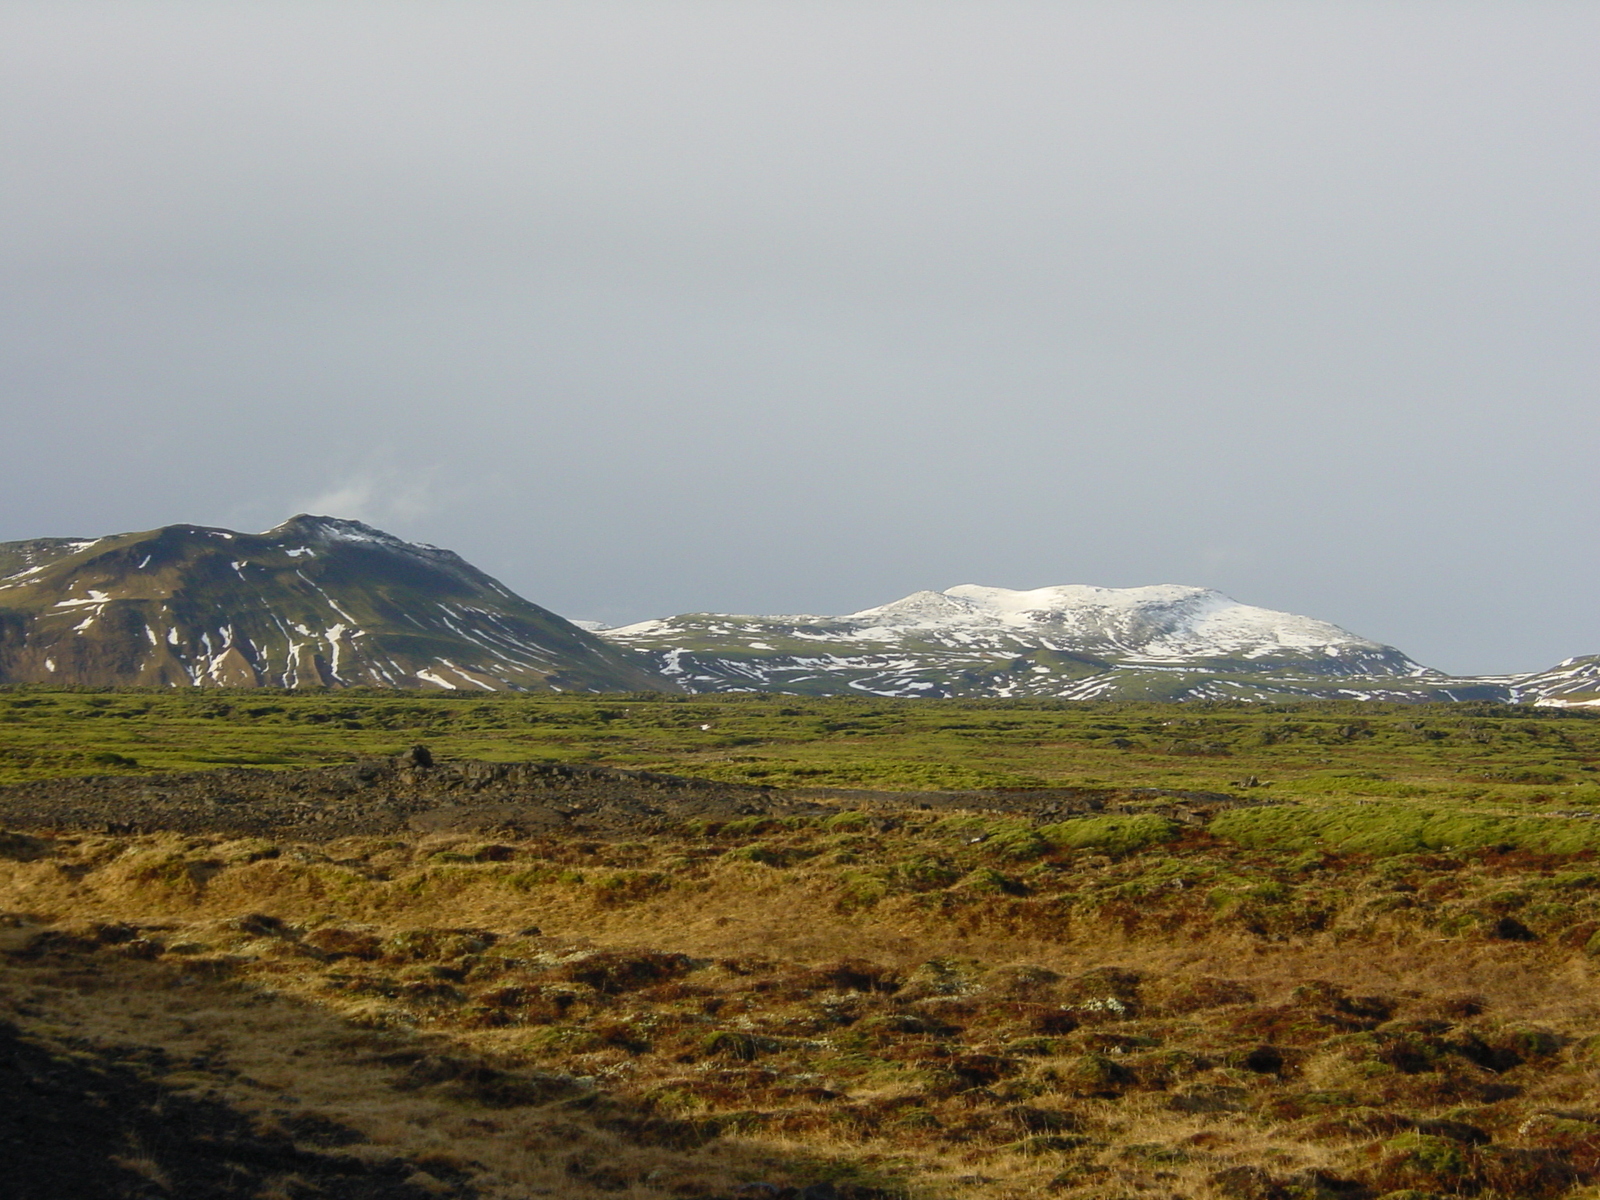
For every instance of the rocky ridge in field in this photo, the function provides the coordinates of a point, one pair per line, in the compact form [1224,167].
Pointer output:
[316,602]
[1166,642]
[414,794]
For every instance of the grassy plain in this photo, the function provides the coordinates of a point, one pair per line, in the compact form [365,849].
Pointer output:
[1386,986]
[1478,755]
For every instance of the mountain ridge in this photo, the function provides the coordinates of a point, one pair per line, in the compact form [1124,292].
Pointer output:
[315,601]
[1074,641]
[322,601]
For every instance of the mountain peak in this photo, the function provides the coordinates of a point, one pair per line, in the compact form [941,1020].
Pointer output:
[917,606]
[1069,640]
[1081,592]
[329,529]
[1079,596]
[317,601]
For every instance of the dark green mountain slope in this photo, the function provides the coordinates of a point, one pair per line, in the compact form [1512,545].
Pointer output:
[316,602]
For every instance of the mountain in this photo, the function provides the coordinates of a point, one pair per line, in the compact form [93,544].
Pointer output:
[1165,642]
[315,602]
[1574,683]
[323,602]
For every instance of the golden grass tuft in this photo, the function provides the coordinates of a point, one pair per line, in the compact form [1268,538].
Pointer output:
[671,1017]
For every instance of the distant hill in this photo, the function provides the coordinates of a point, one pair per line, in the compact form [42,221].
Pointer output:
[1573,682]
[1165,642]
[316,602]
[324,602]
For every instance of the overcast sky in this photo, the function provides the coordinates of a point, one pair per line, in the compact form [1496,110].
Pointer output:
[799,307]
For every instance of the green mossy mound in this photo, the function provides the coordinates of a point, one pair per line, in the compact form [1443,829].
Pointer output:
[1391,829]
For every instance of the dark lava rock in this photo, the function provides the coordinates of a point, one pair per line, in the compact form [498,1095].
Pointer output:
[389,796]
[416,793]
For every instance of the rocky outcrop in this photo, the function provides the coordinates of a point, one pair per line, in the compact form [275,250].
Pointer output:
[391,796]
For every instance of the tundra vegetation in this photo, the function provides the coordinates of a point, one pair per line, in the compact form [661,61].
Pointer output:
[1377,981]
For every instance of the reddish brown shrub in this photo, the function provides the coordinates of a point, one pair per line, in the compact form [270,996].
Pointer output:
[848,975]
[345,943]
[1176,997]
[613,971]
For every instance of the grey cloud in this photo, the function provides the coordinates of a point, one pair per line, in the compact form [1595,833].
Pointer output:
[650,307]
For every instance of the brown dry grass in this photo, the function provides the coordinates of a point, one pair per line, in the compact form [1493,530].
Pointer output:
[1188,1020]
[301,1068]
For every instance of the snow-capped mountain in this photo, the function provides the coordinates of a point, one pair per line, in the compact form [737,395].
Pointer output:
[316,602]
[1076,642]
[1574,683]
[1157,625]
[324,602]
